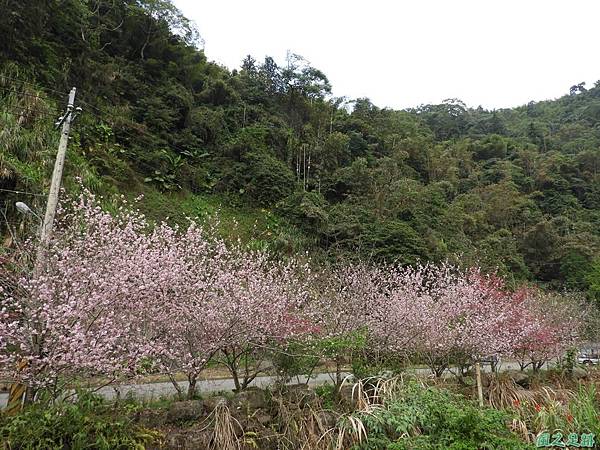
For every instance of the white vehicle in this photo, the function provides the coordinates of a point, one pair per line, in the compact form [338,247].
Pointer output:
[491,361]
[588,356]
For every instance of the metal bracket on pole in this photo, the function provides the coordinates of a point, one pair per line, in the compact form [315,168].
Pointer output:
[48,222]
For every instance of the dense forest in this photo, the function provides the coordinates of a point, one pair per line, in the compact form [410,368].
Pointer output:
[268,146]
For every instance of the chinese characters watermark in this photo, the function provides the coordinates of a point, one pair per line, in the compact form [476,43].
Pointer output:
[573,440]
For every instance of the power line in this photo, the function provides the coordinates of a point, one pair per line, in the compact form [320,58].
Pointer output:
[123,130]
[9,90]
[83,102]
[128,133]
[30,109]
[98,114]
[61,93]
[12,222]
[26,108]
[21,192]
[36,86]
[23,110]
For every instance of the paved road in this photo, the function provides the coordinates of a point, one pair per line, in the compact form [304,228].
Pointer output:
[151,391]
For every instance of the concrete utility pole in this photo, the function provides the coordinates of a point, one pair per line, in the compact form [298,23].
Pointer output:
[48,223]
[479,384]
[20,393]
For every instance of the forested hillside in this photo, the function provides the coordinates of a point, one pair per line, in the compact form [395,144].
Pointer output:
[513,189]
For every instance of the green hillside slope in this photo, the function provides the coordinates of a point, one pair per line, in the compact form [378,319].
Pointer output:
[268,147]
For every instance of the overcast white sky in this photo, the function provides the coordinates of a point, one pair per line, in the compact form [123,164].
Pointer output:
[400,54]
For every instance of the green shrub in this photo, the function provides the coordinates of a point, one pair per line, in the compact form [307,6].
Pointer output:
[295,359]
[584,411]
[88,422]
[267,180]
[428,418]
[328,395]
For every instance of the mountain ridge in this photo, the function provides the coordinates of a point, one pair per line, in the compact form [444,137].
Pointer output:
[515,189]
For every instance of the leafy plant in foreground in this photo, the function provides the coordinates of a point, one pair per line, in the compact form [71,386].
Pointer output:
[88,422]
[416,417]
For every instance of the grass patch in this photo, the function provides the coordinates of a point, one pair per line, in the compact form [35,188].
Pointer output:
[428,418]
[88,422]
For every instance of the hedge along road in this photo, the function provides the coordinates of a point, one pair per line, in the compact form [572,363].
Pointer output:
[149,391]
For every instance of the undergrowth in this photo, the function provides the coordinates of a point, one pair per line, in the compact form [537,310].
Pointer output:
[427,418]
[88,422]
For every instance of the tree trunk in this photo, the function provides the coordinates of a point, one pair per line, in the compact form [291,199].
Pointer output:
[231,362]
[236,378]
[494,366]
[192,378]
[147,41]
[338,374]
[29,395]
[176,386]
[523,365]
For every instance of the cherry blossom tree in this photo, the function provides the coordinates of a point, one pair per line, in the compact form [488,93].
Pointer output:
[553,324]
[444,315]
[415,314]
[73,317]
[117,297]
[343,301]
[269,298]
[400,311]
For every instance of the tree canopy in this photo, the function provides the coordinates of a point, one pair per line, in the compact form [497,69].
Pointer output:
[514,190]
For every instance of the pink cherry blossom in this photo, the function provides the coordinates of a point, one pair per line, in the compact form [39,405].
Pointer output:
[117,297]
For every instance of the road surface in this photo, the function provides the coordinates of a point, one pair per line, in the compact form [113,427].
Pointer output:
[150,391]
